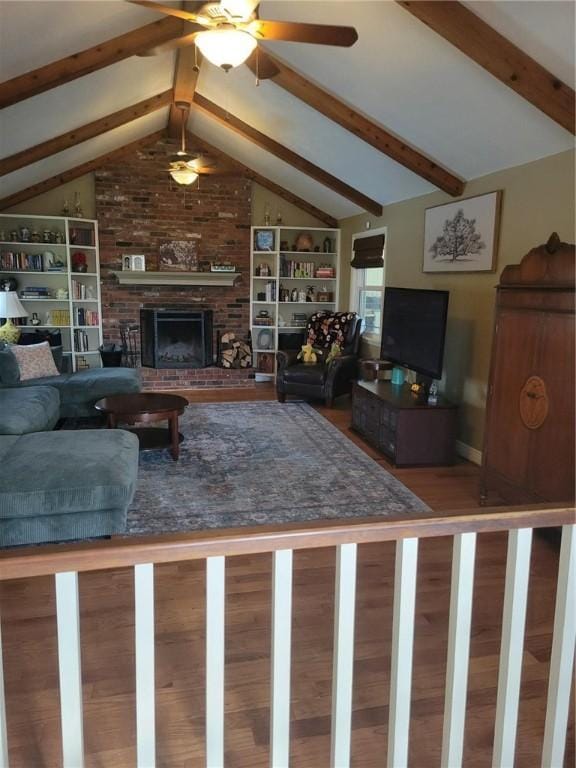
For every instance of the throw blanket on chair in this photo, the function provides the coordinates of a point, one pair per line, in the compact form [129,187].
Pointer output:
[326,328]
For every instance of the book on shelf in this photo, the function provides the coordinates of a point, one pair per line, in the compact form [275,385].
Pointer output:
[80,291]
[271,291]
[60,317]
[83,316]
[81,341]
[24,262]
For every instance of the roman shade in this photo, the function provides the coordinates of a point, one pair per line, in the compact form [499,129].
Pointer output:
[368,252]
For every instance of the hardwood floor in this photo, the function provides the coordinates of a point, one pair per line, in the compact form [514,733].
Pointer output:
[29,637]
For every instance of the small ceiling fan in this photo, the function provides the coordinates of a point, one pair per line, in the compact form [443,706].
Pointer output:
[227,32]
[187,166]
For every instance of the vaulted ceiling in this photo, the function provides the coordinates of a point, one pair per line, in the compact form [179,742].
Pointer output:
[400,74]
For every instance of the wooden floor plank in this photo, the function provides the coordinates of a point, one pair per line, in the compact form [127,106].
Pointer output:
[107,627]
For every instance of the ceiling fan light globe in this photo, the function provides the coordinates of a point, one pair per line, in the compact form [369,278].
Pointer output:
[225,47]
[184,176]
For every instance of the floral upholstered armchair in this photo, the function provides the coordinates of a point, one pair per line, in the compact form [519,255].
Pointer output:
[331,376]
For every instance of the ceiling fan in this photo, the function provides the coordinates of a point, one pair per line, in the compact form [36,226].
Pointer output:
[227,32]
[188,166]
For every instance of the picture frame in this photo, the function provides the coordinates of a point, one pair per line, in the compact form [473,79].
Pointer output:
[179,256]
[264,240]
[138,263]
[463,236]
[126,263]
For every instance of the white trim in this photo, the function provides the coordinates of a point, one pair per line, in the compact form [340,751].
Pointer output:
[343,658]
[70,669]
[467,452]
[280,676]
[145,667]
[215,624]
[562,658]
[405,576]
[461,597]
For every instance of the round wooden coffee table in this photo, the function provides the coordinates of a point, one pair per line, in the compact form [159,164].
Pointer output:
[147,408]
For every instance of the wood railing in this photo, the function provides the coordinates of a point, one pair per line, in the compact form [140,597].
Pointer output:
[65,562]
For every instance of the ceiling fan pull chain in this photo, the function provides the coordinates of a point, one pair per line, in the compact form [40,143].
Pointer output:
[196,67]
[257,66]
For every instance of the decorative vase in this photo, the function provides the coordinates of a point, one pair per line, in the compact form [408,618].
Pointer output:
[80,268]
[9,333]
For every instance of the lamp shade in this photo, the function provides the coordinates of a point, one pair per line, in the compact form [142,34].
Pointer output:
[225,47]
[10,305]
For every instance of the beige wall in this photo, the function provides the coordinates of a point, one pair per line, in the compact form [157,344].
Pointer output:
[51,203]
[291,215]
[538,198]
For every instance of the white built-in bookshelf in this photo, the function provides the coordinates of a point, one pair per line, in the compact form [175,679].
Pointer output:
[290,285]
[41,253]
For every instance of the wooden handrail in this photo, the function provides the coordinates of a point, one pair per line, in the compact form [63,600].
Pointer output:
[169,548]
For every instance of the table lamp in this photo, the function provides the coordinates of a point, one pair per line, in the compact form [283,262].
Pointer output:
[10,307]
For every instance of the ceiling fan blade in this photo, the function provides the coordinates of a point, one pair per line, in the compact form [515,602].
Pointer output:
[261,65]
[167,10]
[292,31]
[172,45]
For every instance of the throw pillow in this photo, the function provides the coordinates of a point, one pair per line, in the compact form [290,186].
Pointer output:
[9,370]
[35,361]
[327,328]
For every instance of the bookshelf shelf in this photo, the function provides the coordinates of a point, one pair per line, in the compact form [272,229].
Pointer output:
[277,262]
[78,235]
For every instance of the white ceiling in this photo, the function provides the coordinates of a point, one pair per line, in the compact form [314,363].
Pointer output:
[399,73]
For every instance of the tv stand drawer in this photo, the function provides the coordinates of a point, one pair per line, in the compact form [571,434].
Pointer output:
[405,429]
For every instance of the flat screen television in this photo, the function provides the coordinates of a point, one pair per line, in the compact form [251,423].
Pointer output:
[413,329]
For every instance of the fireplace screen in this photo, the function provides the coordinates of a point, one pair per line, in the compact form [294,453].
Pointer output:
[176,338]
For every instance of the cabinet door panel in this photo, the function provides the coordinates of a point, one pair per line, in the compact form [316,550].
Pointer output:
[552,444]
[507,449]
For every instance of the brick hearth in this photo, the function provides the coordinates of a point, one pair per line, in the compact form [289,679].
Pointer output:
[139,208]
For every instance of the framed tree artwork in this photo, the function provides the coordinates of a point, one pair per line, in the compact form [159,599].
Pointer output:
[463,236]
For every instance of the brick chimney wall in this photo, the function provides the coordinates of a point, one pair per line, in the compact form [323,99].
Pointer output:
[138,209]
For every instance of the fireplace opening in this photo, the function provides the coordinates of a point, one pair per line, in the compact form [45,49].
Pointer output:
[176,338]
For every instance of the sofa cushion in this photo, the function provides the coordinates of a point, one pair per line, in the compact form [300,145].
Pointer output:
[28,409]
[35,361]
[82,471]
[79,391]
[9,370]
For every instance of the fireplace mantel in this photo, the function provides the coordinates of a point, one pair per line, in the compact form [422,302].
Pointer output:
[127,277]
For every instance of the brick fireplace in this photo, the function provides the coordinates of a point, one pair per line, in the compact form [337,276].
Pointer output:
[139,209]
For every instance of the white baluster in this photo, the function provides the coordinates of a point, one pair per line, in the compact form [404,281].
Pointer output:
[3,730]
[343,659]
[511,649]
[402,646]
[461,592]
[562,659]
[145,678]
[215,613]
[281,648]
[69,669]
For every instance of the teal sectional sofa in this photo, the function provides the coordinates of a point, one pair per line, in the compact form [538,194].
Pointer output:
[64,484]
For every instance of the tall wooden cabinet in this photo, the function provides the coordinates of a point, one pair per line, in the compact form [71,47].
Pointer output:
[529,441]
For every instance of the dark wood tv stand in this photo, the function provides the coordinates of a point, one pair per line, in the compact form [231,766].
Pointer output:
[402,425]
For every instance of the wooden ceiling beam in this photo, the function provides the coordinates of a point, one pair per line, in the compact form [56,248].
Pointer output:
[185,79]
[84,62]
[304,205]
[330,106]
[287,155]
[493,52]
[84,132]
[77,171]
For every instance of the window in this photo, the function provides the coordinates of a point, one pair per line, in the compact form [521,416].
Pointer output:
[367,295]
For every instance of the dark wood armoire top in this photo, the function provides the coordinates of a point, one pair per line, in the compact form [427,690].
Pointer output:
[550,265]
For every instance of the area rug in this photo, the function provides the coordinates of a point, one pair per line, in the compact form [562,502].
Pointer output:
[261,462]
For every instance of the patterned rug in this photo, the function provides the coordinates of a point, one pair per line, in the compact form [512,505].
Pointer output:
[260,462]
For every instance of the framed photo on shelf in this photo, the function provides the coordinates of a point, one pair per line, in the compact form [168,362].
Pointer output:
[463,236]
[264,240]
[133,263]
